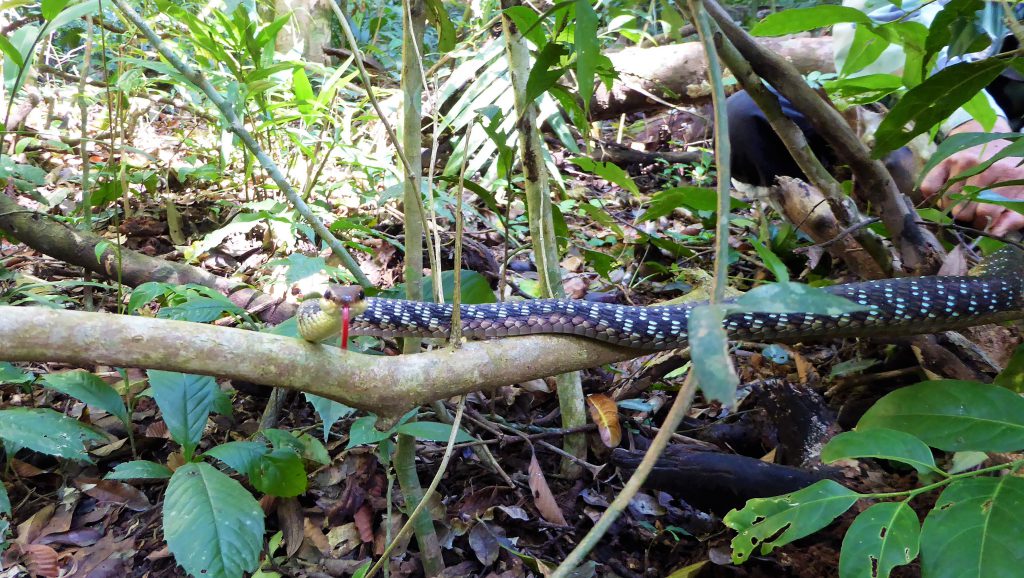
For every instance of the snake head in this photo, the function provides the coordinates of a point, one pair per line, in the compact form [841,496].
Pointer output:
[347,296]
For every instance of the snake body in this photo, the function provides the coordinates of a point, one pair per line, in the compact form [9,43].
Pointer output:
[895,307]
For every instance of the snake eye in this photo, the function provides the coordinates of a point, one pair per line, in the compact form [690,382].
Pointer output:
[328,294]
[362,294]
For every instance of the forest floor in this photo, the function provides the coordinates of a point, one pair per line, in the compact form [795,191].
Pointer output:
[793,399]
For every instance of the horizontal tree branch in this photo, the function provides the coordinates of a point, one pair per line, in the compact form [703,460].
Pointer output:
[387,386]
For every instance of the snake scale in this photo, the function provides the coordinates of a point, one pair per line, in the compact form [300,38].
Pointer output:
[896,307]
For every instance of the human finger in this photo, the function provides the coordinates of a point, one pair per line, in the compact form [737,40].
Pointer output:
[1007,222]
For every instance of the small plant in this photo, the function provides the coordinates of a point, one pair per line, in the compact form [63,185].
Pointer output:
[973,528]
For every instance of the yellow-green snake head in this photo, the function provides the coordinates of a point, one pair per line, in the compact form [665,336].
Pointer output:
[319,319]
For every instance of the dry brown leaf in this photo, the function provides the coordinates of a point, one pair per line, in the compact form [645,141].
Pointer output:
[542,496]
[364,522]
[41,560]
[605,414]
[290,517]
[115,492]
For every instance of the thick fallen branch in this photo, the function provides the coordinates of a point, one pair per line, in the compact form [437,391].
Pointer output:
[387,386]
[75,247]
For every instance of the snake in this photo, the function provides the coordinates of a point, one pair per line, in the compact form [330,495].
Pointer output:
[891,307]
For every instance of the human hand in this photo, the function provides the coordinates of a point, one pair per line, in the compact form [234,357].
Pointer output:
[997,220]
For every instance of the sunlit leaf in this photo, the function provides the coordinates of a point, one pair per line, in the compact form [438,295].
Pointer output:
[605,414]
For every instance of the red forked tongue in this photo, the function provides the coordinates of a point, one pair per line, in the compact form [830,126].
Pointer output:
[344,327]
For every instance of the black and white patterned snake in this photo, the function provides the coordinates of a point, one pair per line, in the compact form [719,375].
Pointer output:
[902,306]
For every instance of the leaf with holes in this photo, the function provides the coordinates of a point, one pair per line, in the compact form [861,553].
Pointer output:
[47,432]
[882,537]
[885,444]
[767,523]
[953,415]
[974,530]
[605,414]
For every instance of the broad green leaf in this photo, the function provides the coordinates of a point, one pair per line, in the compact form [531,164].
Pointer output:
[139,470]
[803,19]
[330,411]
[213,526]
[144,294]
[694,198]
[526,21]
[239,455]
[200,310]
[433,431]
[955,143]
[362,432]
[963,461]
[794,298]
[1012,377]
[587,50]
[864,89]
[475,288]
[953,415]
[885,444]
[882,537]
[11,374]
[974,530]
[90,389]
[767,523]
[5,504]
[607,171]
[302,90]
[47,432]
[300,267]
[185,401]
[312,449]
[932,101]
[981,110]
[546,70]
[438,15]
[279,473]
[709,346]
[865,49]
[51,8]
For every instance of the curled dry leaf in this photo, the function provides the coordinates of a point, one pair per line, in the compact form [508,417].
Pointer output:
[542,496]
[605,414]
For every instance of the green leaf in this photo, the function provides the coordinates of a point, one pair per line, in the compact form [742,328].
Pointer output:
[1012,377]
[981,110]
[90,389]
[864,89]
[5,504]
[527,22]
[953,415]
[212,525]
[330,411]
[793,298]
[433,431]
[139,470]
[47,432]
[882,537]
[955,143]
[11,52]
[438,16]
[475,288]
[865,49]
[11,374]
[803,19]
[695,198]
[771,260]
[932,101]
[974,530]
[609,172]
[709,346]
[144,294]
[772,522]
[362,432]
[200,310]
[587,51]
[885,444]
[240,456]
[279,473]
[185,401]
[301,267]
[51,8]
